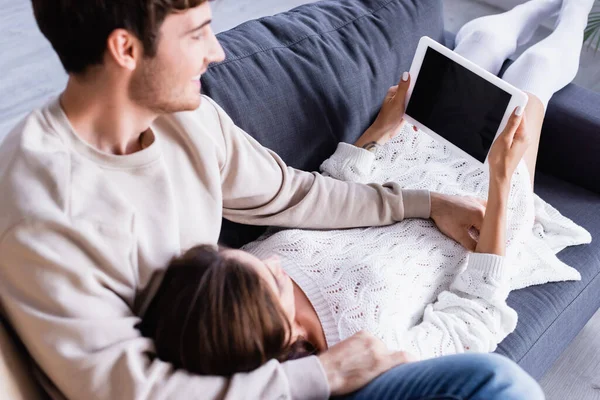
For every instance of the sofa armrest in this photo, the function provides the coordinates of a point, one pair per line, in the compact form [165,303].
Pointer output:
[570,141]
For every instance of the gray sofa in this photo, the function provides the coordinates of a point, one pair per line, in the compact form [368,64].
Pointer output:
[302,81]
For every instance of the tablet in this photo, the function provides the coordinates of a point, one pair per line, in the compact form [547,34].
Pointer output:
[456,101]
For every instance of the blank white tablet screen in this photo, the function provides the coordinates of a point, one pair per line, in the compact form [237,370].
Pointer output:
[457,104]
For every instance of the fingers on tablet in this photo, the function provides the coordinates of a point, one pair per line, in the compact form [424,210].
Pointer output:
[519,111]
[513,123]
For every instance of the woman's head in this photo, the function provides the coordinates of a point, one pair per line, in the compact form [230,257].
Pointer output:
[222,311]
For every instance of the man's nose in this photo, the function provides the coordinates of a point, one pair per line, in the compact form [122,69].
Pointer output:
[221,53]
[216,53]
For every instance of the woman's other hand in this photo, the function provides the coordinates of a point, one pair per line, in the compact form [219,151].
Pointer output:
[504,157]
[508,149]
[389,121]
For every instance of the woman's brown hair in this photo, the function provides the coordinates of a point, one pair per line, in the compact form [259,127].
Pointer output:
[213,315]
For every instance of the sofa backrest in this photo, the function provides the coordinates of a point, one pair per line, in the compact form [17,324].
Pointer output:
[301,81]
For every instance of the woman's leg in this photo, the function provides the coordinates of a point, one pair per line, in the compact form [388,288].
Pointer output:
[488,41]
[541,70]
[548,66]
[535,112]
[467,376]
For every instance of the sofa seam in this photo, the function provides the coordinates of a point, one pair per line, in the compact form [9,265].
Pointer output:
[558,316]
[335,29]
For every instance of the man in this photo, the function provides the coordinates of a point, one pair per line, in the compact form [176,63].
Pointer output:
[130,166]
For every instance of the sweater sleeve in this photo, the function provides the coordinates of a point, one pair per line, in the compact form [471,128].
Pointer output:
[260,189]
[471,316]
[349,163]
[68,295]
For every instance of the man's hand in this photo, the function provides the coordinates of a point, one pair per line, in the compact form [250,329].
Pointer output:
[456,215]
[356,361]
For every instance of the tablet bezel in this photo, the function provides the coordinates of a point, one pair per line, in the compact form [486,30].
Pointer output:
[518,97]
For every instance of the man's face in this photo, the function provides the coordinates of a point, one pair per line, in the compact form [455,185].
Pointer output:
[170,81]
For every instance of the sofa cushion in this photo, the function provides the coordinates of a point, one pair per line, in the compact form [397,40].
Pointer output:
[304,80]
[551,315]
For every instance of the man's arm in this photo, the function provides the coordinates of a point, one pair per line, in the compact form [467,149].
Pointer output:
[259,188]
[68,296]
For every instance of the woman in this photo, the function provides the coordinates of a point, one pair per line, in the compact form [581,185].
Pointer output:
[221,311]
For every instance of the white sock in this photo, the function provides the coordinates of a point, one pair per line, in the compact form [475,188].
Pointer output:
[551,64]
[488,41]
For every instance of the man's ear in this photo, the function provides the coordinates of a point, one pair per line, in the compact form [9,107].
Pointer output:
[124,49]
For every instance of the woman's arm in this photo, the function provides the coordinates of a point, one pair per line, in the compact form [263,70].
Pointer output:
[473,315]
[503,159]
[375,137]
[355,163]
[349,163]
[492,236]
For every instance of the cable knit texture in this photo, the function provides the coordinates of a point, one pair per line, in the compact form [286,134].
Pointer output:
[409,284]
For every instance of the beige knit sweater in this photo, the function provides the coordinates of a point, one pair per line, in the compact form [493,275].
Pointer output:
[82,234]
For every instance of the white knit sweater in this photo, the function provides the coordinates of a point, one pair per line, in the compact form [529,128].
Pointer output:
[409,284]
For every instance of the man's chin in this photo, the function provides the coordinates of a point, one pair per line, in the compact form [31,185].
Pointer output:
[180,106]
[193,102]
[192,105]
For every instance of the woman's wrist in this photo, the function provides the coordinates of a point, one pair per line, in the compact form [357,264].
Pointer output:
[493,230]
[373,136]
[499,188]
[367,139]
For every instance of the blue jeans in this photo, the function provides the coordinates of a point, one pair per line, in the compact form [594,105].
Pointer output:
[457,377]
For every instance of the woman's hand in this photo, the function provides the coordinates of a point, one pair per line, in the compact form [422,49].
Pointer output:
[509,148]
[505,155]
[390,119]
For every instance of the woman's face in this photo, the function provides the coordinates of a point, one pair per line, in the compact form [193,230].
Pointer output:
[272,273]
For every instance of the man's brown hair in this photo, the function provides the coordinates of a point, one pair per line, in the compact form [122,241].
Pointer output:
[213,315]
[78,29]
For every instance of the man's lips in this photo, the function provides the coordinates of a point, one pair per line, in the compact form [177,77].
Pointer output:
[196,80]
